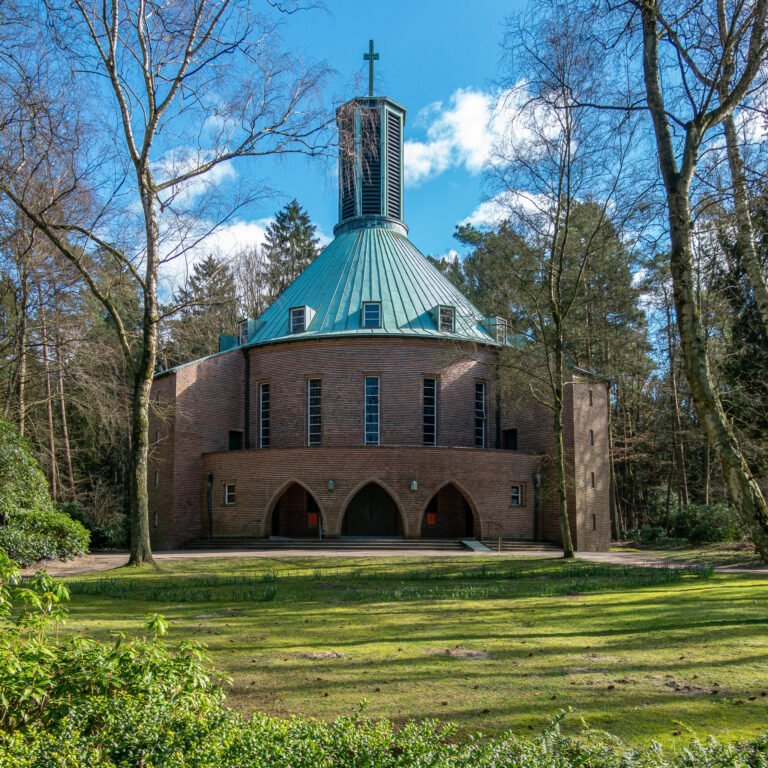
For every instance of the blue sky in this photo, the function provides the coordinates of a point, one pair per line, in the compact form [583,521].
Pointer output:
[439,59]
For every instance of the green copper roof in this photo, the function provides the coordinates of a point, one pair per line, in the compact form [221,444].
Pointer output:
[371,261]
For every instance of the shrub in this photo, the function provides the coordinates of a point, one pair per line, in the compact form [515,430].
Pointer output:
[705,524]
[49,535]
[114,535]
[23,487]
[30,528]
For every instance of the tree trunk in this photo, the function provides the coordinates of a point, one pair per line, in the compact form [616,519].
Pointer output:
[677,428]
[743,490]
[54,469]
[744,228]
[562,478]
[141,548]
[22,371]
[65,428]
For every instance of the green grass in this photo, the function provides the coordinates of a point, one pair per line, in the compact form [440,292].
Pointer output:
[490,644]
[728,554]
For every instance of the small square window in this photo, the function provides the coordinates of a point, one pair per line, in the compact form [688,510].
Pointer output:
[298,319]
[447,319]
[516,495]
[371,314]
[229,495]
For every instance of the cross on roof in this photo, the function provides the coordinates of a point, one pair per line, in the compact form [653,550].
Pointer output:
[370,57]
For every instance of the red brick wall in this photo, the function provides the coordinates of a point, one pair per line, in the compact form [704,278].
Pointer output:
[162,423]
[262,476]
[591,506]
[203,401]
[343,364]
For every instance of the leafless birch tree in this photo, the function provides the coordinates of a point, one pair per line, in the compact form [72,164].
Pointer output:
[152,103]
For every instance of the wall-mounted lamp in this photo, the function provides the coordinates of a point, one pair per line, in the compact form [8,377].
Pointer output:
[414,486]
[331,486]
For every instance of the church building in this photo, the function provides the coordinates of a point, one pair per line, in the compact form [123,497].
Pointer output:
[366,400]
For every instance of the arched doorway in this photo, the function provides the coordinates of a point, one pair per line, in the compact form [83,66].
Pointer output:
[372,512]
[296,514]
[448,515]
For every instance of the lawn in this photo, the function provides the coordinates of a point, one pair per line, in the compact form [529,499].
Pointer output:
[489,643]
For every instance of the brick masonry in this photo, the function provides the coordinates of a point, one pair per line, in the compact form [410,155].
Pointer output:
[197,406]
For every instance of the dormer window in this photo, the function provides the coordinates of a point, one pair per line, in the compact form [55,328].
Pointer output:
[242,332]
[447,319]
[300,318]
[371,314]
[501,330]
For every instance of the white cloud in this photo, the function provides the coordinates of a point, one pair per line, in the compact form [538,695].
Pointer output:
[183,160]
[181,253]
[457,134]
[465,131]
[491,213]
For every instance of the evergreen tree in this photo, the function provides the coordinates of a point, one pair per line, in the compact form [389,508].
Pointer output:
[206,308]
[291,245]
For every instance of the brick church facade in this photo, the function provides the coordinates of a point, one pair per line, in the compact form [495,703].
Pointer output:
[366,400]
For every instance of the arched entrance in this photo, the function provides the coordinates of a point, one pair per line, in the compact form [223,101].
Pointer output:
[372,512]
[448,515]
[296,514]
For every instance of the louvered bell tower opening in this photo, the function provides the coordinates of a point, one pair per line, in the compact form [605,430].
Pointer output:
[370,161]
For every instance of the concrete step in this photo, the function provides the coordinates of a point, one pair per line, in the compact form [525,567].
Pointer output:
[343,544]
[522,546]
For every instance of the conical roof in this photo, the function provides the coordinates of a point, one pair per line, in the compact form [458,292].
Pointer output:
[371,263]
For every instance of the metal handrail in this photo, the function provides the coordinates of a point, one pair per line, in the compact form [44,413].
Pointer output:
[500,529]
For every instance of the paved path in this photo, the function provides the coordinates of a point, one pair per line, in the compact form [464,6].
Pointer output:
[107,561]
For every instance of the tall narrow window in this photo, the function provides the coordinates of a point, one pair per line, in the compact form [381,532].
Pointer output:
[264,415]
[314,412]
[480,415]
[371,410]
[430,412]
[592,478]
[447,319]
[591,437]
[590,398]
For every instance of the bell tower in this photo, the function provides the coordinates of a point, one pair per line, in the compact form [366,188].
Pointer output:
[370,158]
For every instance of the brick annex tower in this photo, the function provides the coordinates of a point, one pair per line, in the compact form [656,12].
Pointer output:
[365,401]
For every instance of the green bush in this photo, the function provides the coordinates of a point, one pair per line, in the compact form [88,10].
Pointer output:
[23,487]
[707,523]
[43,535]
[30,528]
[113,536]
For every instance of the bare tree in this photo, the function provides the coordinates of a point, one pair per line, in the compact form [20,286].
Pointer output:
[557,171]
[693,84]
[148,102]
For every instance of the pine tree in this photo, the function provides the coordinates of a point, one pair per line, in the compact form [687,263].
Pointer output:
[291,245]
[207,308]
